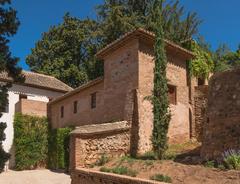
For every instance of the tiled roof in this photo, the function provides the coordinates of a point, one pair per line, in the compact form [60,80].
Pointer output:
[140,33]
[40,81]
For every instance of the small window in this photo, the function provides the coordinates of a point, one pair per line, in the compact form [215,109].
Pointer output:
[75,103]
[201,81]
[93,100]
[62,111]
[172,94]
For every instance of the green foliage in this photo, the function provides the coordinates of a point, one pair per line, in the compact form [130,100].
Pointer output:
[150,155]
[3,155]
[8,27]
[210,164]
[161,178]
[30,140]
[120,170]
[58,148]
[160,90]
[202,65]
[67,52]
[118,17]
[231,159]
[102,160]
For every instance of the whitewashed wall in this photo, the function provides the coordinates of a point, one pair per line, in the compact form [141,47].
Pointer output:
[33,94]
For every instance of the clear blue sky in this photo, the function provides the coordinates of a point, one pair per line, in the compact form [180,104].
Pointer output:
[220,20]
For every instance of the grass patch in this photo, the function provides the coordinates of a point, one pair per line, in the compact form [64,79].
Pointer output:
[150,155]
[102,160]
[120,170]
[161,178]
[209,164]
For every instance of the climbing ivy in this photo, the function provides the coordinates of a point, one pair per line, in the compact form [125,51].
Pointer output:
[160,92]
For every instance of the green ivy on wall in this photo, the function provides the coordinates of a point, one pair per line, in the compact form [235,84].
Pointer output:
[58,148]
[30,141]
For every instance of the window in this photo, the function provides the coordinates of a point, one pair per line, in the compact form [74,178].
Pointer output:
[75,103]
[172,95]
[201,81]
[62,111]
[93,100]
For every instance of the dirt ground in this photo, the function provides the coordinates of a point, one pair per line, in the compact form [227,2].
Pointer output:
[186,168]
[34,177]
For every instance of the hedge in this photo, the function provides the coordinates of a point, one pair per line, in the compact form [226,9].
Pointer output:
[58,148]
[30,140]
[37,145]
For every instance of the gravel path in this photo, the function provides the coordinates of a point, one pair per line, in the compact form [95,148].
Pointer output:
[34,177]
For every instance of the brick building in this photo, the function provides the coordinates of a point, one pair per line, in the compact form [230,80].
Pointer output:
[120,95]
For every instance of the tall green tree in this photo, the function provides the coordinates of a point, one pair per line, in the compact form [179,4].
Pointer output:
[160,91]
[120,16]
[67,51]
[8,27]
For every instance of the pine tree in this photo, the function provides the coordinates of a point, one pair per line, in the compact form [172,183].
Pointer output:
[8,27]
[160,91]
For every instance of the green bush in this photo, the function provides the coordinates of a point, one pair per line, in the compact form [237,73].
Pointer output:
[58,148]
[3,155]
[120,170]
[231,159]
[102,160]
[161,178]
[30,140]
[210,164]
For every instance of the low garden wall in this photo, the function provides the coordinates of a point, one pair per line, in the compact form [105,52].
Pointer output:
[86,176]
[89,143]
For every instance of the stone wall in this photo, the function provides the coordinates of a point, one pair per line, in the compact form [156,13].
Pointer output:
[200,105]
[85,176]
[89,143]
[222,128]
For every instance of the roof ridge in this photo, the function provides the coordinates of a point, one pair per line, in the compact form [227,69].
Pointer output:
[41,74]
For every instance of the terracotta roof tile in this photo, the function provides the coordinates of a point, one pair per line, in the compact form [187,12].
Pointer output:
[40,81]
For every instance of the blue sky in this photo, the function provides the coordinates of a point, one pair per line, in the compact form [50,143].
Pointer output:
[220,20]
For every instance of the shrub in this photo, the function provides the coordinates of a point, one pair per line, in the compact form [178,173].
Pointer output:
[161,178]
[231,159]
[3,155]
[210,164]
[102,160]
[120,170]
[58,148]
[30,140]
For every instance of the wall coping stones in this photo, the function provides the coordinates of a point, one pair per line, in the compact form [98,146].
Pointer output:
[110,177]
[96,129]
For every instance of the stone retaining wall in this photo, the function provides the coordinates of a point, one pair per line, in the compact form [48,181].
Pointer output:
[86,176]
[222,128]
[89,143]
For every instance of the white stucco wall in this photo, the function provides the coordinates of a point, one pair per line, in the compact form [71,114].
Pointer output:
[33,94]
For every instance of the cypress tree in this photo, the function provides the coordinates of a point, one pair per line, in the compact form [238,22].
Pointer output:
[160,91]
